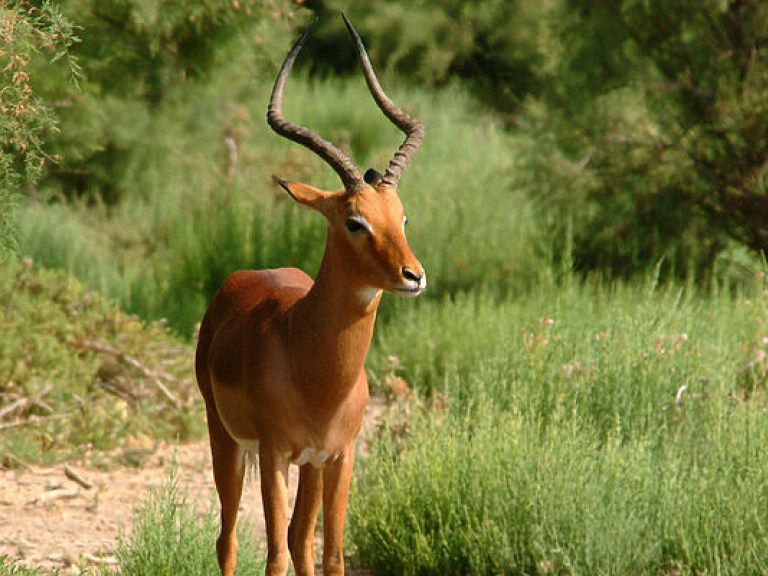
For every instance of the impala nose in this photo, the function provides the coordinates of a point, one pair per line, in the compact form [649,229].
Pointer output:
[417,278]
[409,274]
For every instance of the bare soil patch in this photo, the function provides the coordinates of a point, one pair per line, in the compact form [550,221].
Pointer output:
[50,520]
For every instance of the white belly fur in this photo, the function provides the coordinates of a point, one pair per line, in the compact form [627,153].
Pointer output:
[311,456]
[317,458]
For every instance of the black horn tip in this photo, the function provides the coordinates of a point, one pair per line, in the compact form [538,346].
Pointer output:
[307,32]
[352,31]
[280,182]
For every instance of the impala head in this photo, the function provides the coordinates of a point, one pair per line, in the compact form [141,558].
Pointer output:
[366,219]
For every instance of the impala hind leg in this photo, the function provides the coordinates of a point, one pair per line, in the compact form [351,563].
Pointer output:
[228,473]
[301,532]
[273,469]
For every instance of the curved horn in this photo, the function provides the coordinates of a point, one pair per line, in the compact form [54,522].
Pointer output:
[413,129]
[339,161]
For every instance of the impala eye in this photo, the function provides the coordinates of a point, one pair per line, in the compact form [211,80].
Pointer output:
[354,225]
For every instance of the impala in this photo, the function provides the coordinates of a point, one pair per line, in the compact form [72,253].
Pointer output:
[280,358]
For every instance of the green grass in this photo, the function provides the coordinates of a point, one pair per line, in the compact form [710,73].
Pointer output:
[79,375]
[181,225]
[587,431]
[171,537]
[12,568]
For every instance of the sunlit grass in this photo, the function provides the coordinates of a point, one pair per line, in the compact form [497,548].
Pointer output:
[577,431]
[183,224]
[171,537]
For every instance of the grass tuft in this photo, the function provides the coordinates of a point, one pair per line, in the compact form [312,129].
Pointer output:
[577,431]
[170,537]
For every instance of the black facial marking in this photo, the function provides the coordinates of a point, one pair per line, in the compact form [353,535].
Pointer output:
[372,177]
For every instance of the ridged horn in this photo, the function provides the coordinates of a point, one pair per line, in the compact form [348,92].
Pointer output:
[337,160]
[413,129]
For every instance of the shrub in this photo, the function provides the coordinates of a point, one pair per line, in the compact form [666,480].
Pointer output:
[577,430]
[169,537]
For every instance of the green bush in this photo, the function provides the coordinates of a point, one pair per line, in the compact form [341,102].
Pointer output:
[657,107]
[77,374]
[577,430]
[170,537]
[30,34]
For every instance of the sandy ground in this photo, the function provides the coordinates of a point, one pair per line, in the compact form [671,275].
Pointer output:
[51,521]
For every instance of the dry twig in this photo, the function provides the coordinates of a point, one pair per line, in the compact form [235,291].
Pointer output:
[154,376]
[59,494]
[31,421]
[25,402]
[70,473]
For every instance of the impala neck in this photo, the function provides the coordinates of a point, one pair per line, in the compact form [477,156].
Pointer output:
[334,322]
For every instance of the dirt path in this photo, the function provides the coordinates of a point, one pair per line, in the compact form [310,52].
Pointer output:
[48,520]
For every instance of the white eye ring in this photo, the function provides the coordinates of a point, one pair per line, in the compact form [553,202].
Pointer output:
[405,221]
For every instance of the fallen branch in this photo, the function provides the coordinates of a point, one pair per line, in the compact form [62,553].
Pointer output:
[59,494]
[24,402]
[154,376]
[70,473]
[105,560]
[31,421]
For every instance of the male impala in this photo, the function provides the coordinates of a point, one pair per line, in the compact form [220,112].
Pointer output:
[280,358]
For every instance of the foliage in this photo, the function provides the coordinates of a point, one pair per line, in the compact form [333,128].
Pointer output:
[137,57]
[27,33]
[11,568]
[77,374]
[659,109]
[493,47]
[171,538]
[577,431]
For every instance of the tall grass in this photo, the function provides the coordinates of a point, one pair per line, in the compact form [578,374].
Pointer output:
[184,223]
[589,428]
[170,537]
[587,431]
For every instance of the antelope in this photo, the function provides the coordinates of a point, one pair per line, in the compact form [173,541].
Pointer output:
[280,358]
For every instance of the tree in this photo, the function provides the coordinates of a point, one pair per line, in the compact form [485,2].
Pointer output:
[662,105]
[490,46]
[27,33]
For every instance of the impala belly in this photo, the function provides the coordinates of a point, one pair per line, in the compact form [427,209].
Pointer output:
[315,457]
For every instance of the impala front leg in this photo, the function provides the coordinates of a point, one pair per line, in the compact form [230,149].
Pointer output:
[301,531]
[336,479]
[274,494]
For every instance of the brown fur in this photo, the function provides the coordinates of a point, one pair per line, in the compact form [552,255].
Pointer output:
[280,361]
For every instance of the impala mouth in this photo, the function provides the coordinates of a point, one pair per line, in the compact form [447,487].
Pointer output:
[410,292]
[413,288]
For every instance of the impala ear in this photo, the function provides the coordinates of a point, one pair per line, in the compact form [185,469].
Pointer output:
[304,194]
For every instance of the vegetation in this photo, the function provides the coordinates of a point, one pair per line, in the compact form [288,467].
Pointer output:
[581,391]
[660,106]
[171,538]
[583,430]
[11,568]
[79,376]
[25,118]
